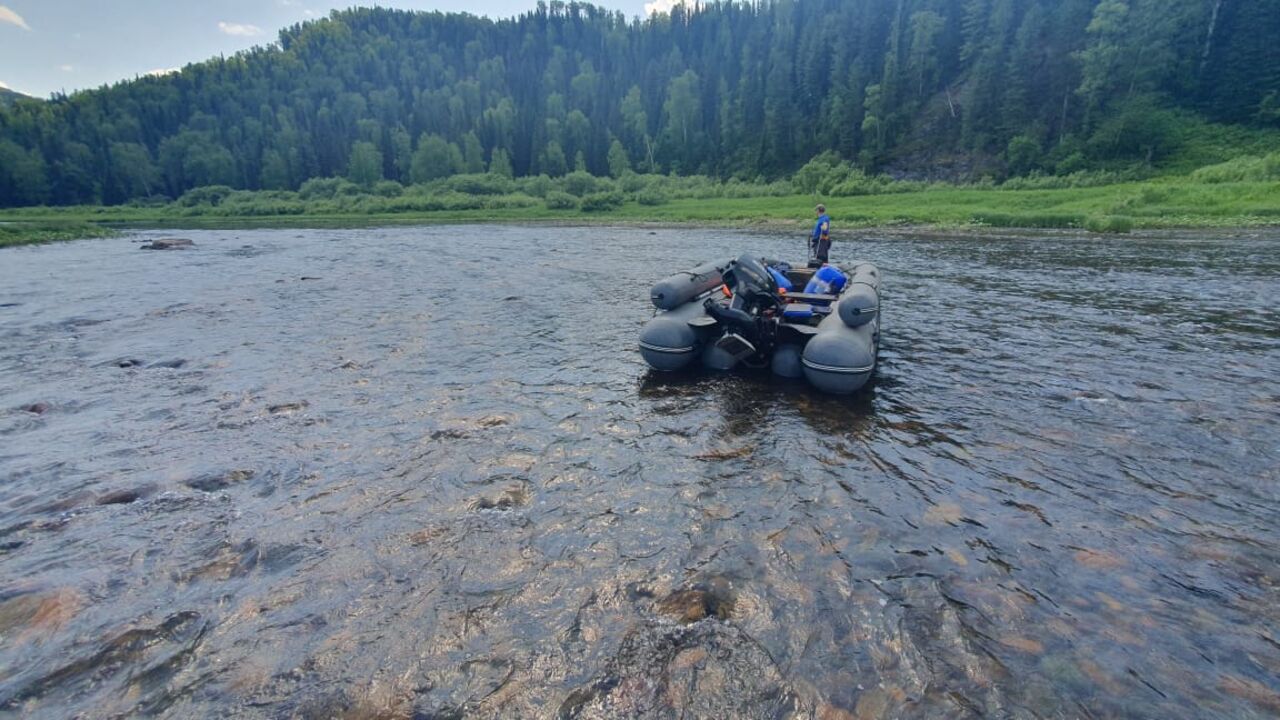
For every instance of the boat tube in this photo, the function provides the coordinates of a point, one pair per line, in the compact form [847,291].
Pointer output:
[737,312]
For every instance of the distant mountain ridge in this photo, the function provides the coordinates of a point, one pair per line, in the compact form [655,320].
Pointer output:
[9,97]
[728,89]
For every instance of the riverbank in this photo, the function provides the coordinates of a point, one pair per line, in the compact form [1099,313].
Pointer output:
[1117,208]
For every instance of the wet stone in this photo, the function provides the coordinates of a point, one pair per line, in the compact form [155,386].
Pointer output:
[168,244]
[694,604]
[124,496]
[214,482]
[705,670]
[284,408]
[38,408]
[512,497]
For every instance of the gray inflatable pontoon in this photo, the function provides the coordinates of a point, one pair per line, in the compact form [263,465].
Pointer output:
[731,312]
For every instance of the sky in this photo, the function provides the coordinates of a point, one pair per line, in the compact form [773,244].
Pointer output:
[49,46]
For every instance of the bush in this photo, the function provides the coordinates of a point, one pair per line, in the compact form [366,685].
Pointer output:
[602,202]
[1108,224]
[1075,162]
[579,183]
[388,189]
[211,195]
[537,186]
[481,184]
[319,188]
[1246,168]
[652,197]
[1022,155]
[557,200]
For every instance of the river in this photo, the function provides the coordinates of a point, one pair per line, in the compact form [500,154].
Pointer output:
[423,472]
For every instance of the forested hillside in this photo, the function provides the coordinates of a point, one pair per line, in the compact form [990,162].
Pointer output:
[965,88]
[9,97]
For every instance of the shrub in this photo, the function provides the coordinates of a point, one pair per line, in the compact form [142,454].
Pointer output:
[652,197]
[557,200]
[537,186]
[579,183]
[211,195]
[319,188]
[388,189]
[1075,162]
[481,184]
[602,202]
[1246,168]
[1022,155]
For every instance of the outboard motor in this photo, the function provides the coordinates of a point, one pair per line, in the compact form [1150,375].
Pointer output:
[754,289]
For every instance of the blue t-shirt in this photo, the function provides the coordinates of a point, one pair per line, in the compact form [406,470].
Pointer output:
[822,230]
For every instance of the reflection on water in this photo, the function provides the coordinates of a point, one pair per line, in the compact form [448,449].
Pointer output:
[422,472]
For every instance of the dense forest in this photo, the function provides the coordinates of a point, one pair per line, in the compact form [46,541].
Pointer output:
[956,88]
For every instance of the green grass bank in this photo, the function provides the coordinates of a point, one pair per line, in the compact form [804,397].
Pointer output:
[1242,193]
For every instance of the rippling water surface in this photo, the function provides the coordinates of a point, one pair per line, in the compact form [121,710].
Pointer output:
[422,472]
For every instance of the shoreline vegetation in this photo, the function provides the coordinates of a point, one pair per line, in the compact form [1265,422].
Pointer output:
[1241,193]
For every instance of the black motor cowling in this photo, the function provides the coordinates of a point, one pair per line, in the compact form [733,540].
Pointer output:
[749,277]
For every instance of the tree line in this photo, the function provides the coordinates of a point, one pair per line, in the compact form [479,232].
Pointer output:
[725,89]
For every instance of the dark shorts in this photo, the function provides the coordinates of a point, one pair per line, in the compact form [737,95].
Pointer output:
[823,250]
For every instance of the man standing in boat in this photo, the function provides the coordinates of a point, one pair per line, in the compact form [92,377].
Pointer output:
[820,241]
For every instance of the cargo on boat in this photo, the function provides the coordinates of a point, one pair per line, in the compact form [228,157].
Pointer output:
[822,324]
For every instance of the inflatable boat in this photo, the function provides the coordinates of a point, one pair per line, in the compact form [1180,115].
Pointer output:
[822,324]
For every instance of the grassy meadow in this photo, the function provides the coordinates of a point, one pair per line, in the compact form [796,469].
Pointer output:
[1244,192]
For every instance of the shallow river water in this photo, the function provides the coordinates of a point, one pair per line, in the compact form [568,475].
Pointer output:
[422,472]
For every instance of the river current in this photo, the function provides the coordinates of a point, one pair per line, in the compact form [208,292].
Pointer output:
[423,472]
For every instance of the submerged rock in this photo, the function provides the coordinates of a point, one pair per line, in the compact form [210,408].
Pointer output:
[124,496]
[709,669]
[214,482]
[168,244]
[694,604]
[38,408]
[283,408]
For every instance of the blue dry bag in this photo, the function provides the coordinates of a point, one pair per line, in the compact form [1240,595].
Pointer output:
[779,278]
[827,281]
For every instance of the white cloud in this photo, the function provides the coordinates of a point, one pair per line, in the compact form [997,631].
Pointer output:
[660,6]
[67,68]
[3,86]
[13,18]
[239,29]
[160,72]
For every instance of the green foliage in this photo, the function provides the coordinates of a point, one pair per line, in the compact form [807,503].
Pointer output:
[211,195]
[602,202]
[652,197]
[500,164]
[1108,224]
[12,234]
[619,164]
[365,166]
[434,158]
[1246,168]
[557,200]
[482,184]
[751,93]
[578,183]
[1023,155]
[388,189]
